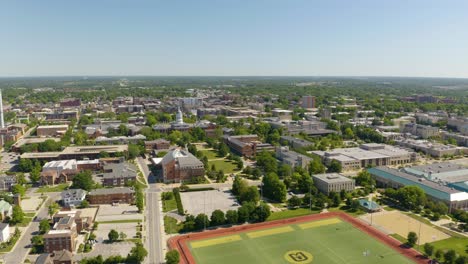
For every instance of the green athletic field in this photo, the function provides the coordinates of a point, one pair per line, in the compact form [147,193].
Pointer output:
[325,241]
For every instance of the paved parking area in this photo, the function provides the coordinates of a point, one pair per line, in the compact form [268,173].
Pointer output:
[107,250]
[207,201]
[103,230]
[109,212]
[31,203]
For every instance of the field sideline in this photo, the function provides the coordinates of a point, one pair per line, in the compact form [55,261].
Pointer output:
[341,239]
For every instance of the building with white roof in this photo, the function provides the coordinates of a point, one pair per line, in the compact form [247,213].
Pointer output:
[371,154]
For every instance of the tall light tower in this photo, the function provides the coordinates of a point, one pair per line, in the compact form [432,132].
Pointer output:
[2,122]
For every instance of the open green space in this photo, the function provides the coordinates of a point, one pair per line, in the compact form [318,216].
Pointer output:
[325,241]
[55,188]
[291,213]
[171,226]
[225,165]
[169,205]
[210,154]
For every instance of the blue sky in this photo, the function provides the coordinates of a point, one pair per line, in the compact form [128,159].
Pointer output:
[272,37]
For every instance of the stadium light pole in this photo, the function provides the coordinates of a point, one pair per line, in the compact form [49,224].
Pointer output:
[310,194]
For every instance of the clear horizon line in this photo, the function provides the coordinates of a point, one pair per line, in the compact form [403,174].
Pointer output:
[250,76]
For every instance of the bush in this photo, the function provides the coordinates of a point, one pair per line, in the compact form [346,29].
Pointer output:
[180,207]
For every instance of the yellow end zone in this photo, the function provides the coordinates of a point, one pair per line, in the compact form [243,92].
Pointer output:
[268,232]
[330,221]
[215,241]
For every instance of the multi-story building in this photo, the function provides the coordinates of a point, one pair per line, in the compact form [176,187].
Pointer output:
[51,131]
[282,114]
[112,196]
[180,165]
[63,115]
[292,158]
[57,257]
[5,209]
[371,154]
[56,240]
[308,101]
[308,127]
[296,142]
[120,139]
[421,130]
[61,171]
[432,148]
[6,181]
[247,145]
[70,102]
[157,144]
[118,174]
[333,182]
[441,182]
[73,197]
[76,152]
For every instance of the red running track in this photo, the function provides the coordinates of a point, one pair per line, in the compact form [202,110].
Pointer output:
[181,242]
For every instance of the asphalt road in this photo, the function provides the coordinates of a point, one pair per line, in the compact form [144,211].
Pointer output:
[23,246]
[154,227]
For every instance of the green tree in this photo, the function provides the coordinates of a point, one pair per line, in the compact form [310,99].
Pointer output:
[44,226]
[172,257]
[137,254]
[412,239]
[201,221]
[83,180]
[133,151]
[232,217]
[428,250]
[217,218]
[122,236]
[261,213]
[305,183]
[18,189]
[335,166]
[294,201]
[438,255]
[273,188]
[53,208]
[17,216]
[113,235]
[84,204]
[239,185]
[250,194]
[316,166]
[450,256]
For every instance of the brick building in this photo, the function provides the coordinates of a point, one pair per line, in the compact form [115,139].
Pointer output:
[180,165]
[110,196]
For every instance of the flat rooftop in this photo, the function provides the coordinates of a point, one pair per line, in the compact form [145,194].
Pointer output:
[332,177]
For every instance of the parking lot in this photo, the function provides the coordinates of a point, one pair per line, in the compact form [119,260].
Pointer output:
[103,230]
[207,201]
[118,212]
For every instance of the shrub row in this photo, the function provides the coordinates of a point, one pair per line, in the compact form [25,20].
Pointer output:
[180,208]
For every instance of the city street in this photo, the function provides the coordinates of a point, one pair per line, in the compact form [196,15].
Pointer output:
[21,250]
[155,228]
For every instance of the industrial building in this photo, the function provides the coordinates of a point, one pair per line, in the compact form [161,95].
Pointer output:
[443,182]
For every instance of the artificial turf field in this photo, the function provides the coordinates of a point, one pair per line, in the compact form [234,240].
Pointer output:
[325,241]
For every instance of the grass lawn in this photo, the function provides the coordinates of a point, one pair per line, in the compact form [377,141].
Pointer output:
[26,221]
[55,188]
[169,205]
[291,213]
[171,226]
[210,154]
[456,243]
[225,165]
[325,241]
